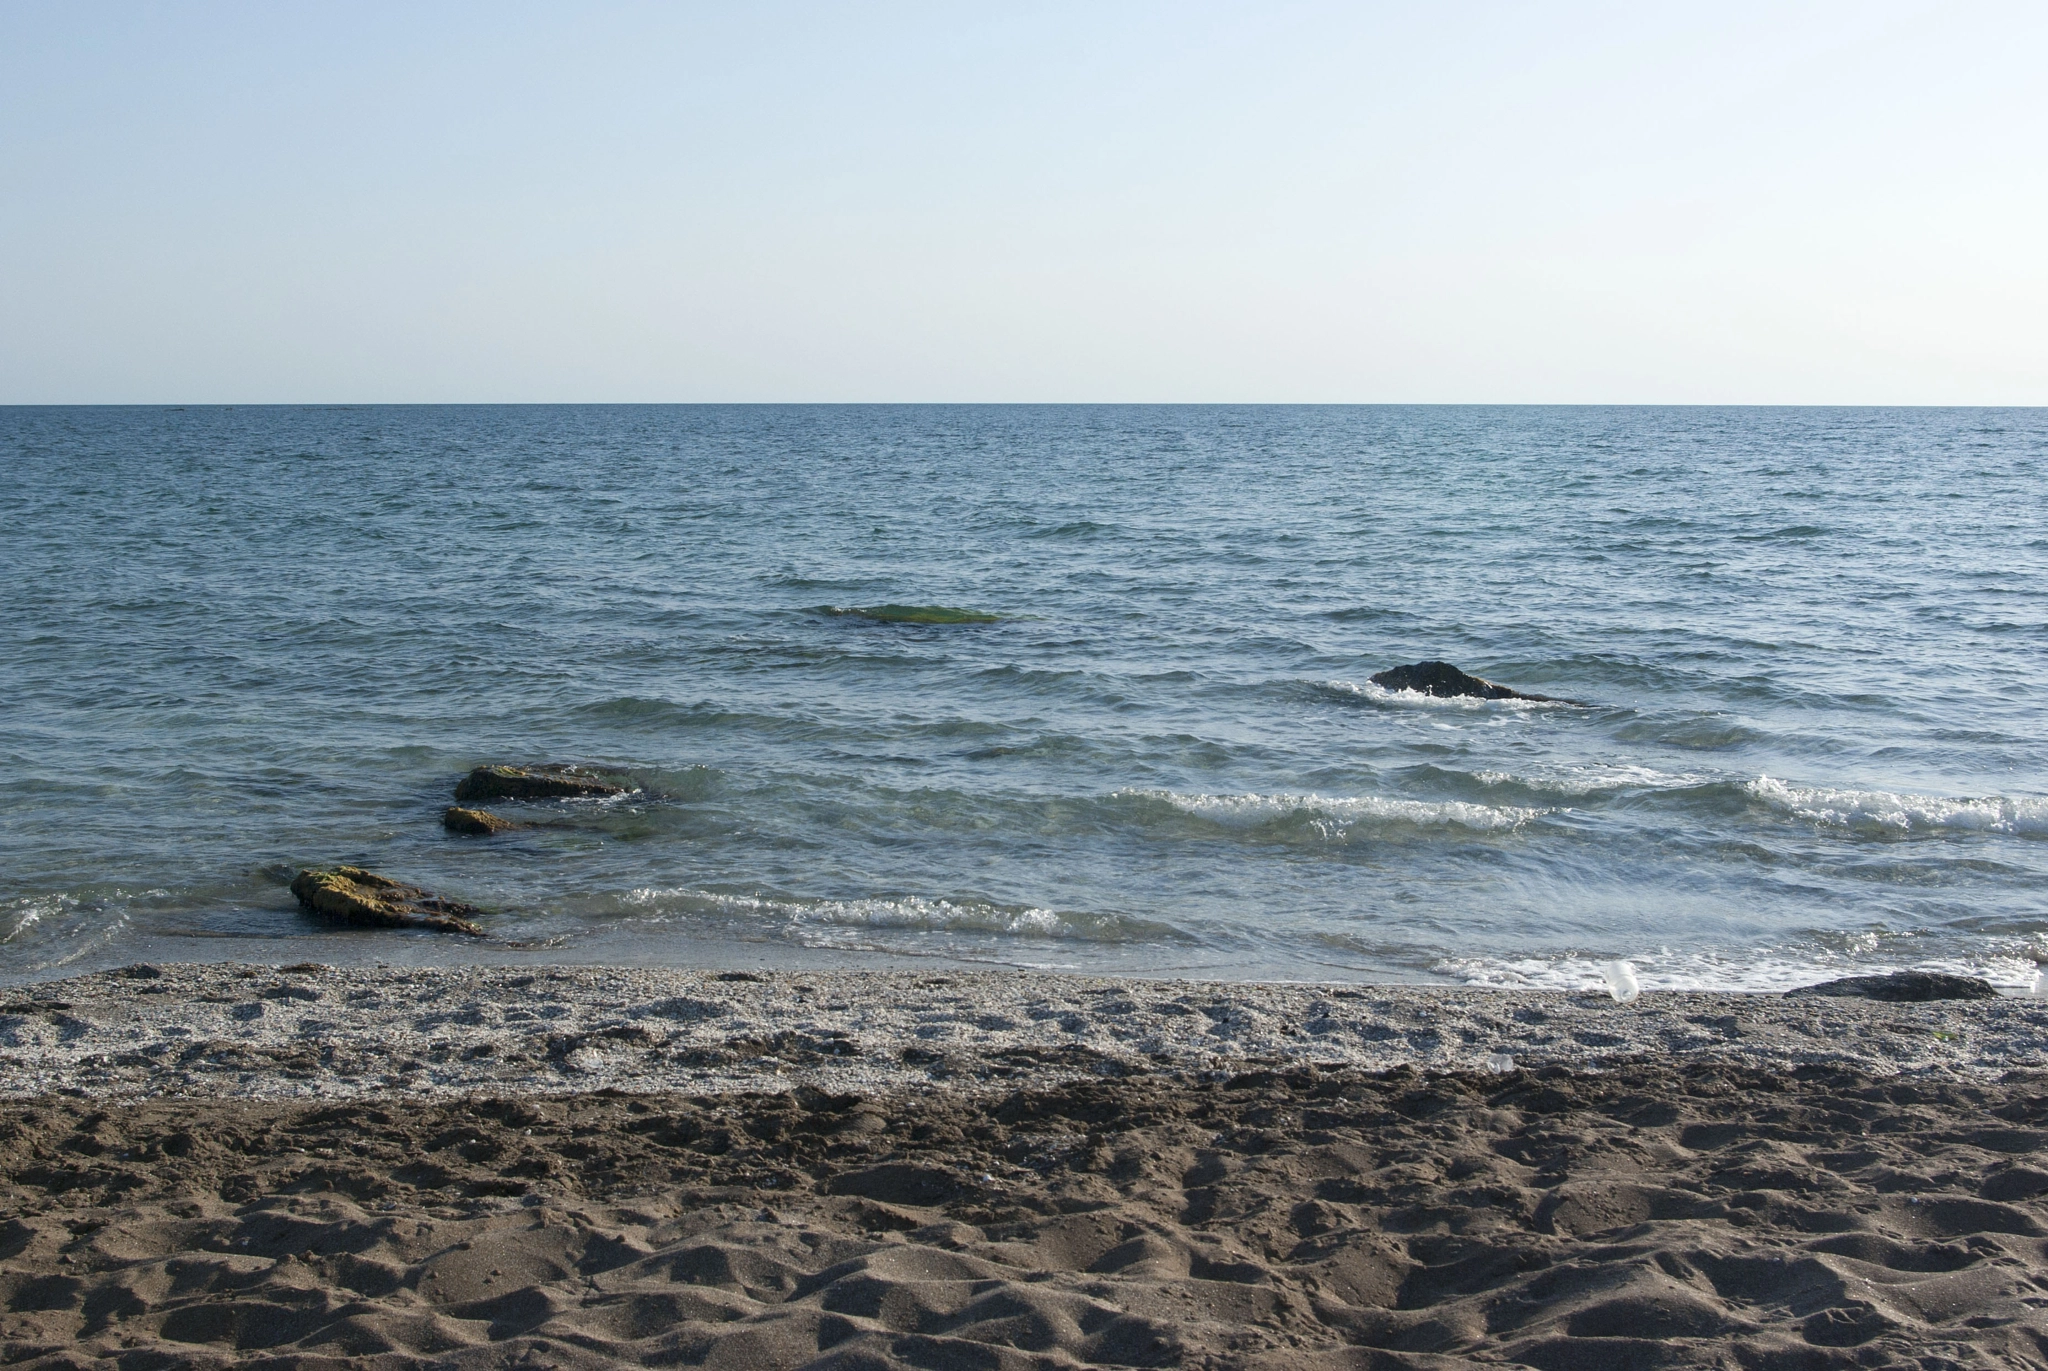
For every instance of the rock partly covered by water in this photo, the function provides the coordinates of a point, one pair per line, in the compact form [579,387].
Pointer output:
[533,783]
[356,896]
[1904,987]
[1447,682]
[478,823]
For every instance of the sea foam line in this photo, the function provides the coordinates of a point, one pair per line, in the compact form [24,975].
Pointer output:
[1896,812]
[1416,699]
[1343,810]
[1764,972]
[913,912]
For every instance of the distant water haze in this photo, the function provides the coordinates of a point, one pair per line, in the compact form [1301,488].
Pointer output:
[1104,704]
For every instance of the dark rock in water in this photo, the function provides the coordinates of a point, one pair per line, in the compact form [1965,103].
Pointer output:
[532,783]
[1904,987]
[356,896]
[1445,681]
[480,823]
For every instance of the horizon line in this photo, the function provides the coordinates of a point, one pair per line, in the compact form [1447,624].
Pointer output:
[175,405]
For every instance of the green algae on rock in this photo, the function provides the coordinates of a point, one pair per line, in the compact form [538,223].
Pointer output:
[478,823]
[533,783]
[356,896]
[919,614]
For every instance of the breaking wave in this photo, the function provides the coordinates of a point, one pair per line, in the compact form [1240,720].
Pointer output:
[1339,814]
[1767,971]
[1415,699]
[1891,813]
[911,913]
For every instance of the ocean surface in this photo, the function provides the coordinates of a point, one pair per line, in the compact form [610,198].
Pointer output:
[1812,645]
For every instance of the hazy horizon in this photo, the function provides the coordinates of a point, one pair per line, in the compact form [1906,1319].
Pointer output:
[1483,204]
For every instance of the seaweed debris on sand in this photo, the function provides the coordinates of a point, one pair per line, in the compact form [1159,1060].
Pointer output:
[555,782]
[356,896]
[917,614]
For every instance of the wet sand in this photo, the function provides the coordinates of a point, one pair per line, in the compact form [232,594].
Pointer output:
[401,1168]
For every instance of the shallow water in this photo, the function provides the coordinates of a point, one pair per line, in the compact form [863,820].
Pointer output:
[242,640]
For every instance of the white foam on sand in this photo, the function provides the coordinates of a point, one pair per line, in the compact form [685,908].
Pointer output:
[1766,970]
[222,1031]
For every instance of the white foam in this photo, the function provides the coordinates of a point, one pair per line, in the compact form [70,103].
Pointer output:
[1897,812]
[1415,699]
[65,929]
[24,914]
[1337,814]
[1765,970]
[911,912]
[1598,778]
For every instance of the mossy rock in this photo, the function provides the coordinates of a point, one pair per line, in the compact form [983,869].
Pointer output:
[533,783]
[355,896]
[475,823]
[920,614]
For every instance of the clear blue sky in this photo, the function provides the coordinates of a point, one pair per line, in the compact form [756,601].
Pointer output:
[1773,203]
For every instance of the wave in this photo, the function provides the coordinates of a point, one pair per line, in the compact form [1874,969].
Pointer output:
[912,913]
[1781,534]
[47,932]
[1338,813]
[1351,692]
[1766,971]
[1894,813]
[912,614]
[1598,779]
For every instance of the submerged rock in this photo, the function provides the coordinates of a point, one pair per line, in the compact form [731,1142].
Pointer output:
[1445,681]
[1904,987]
[479,823]
[920,614]
[532,783]
[356,896]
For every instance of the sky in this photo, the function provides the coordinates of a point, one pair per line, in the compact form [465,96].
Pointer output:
[1783,203]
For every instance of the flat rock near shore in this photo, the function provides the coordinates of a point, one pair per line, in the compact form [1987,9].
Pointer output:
[262,1032]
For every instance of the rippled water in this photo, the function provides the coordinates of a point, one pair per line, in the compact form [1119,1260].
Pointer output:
[242,640]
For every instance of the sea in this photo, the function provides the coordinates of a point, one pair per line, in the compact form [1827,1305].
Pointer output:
[1071,687]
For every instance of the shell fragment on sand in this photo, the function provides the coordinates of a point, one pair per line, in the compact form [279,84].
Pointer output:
[478,823]
[353,895]
[533,783]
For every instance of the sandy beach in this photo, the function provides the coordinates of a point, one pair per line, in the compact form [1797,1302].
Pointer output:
[300,1166]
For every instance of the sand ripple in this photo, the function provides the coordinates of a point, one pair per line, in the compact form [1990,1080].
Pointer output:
[1655,1215]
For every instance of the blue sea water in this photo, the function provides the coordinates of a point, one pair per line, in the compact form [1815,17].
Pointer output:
[236,641]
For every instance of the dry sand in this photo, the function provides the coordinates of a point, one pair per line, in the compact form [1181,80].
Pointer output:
[411,1168]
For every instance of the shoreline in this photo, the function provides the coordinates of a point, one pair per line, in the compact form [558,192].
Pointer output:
[308,1030]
